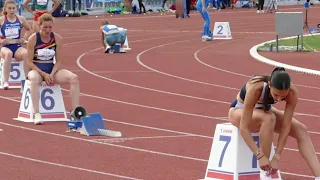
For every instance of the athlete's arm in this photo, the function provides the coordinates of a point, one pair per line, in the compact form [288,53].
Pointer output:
[291,102]
[102,37]
[1,23]
[59,44]
[30,48]
[56,5]
[253,93]
[26,5]
[27,26]
[102,40]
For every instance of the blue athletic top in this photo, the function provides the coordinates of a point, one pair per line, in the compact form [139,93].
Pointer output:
[45,51]
[11,30]
[107,28]
[263,94]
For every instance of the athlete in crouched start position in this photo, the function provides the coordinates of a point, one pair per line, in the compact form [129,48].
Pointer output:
[111,35]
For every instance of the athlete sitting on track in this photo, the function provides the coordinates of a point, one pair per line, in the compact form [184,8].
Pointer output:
[41,7]
[43,46]
[112,35]
[11,25]
[252,110]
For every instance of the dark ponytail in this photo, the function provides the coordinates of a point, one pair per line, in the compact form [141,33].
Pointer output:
[280,79]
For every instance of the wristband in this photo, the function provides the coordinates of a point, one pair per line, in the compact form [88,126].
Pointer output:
[261,157]
[257,153]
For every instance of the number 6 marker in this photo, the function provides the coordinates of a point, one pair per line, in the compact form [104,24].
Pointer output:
[51,104]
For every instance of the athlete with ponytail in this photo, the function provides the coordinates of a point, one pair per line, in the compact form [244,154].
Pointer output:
[252,110]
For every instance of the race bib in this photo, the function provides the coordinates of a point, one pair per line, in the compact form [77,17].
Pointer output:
[42,2]
[12,32]
[45,54]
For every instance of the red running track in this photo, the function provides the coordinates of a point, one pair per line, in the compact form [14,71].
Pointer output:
[165,95]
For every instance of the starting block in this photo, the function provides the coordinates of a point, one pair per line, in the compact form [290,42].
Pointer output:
[16,73]
[51,104]
[115,49]
[91,125]
[222,30]
[230,157]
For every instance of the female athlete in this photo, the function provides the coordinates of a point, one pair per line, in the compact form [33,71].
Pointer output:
[11,25]
[43,46]
[252,110]
[111,34]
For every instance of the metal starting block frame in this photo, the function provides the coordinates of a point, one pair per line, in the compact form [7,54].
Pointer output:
[91,125]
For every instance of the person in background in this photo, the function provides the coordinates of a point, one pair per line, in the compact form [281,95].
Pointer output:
[260,6]
[40,7]
[202,8]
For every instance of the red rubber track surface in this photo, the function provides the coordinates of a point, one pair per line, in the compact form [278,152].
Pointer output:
[165,95]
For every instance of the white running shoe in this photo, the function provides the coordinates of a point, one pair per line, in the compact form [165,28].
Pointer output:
[37,119]
[5,85]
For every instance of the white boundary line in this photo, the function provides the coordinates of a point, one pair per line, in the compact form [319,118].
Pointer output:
[65,166]
[96,142]
[201,82]
[254,53]
[131,148]
[2,153]
[142,137]
[105,143]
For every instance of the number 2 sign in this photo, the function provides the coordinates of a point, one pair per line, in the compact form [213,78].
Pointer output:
[51,104]
[222,30]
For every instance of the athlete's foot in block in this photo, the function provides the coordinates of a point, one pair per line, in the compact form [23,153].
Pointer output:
[37,119]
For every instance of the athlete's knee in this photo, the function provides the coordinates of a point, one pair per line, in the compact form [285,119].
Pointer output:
[269,121]
[199,8]
[301,131]
[34,77]
[24,55]
[74,79]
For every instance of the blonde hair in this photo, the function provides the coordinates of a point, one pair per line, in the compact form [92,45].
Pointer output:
[4,12]
[104,22]
[45,17]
